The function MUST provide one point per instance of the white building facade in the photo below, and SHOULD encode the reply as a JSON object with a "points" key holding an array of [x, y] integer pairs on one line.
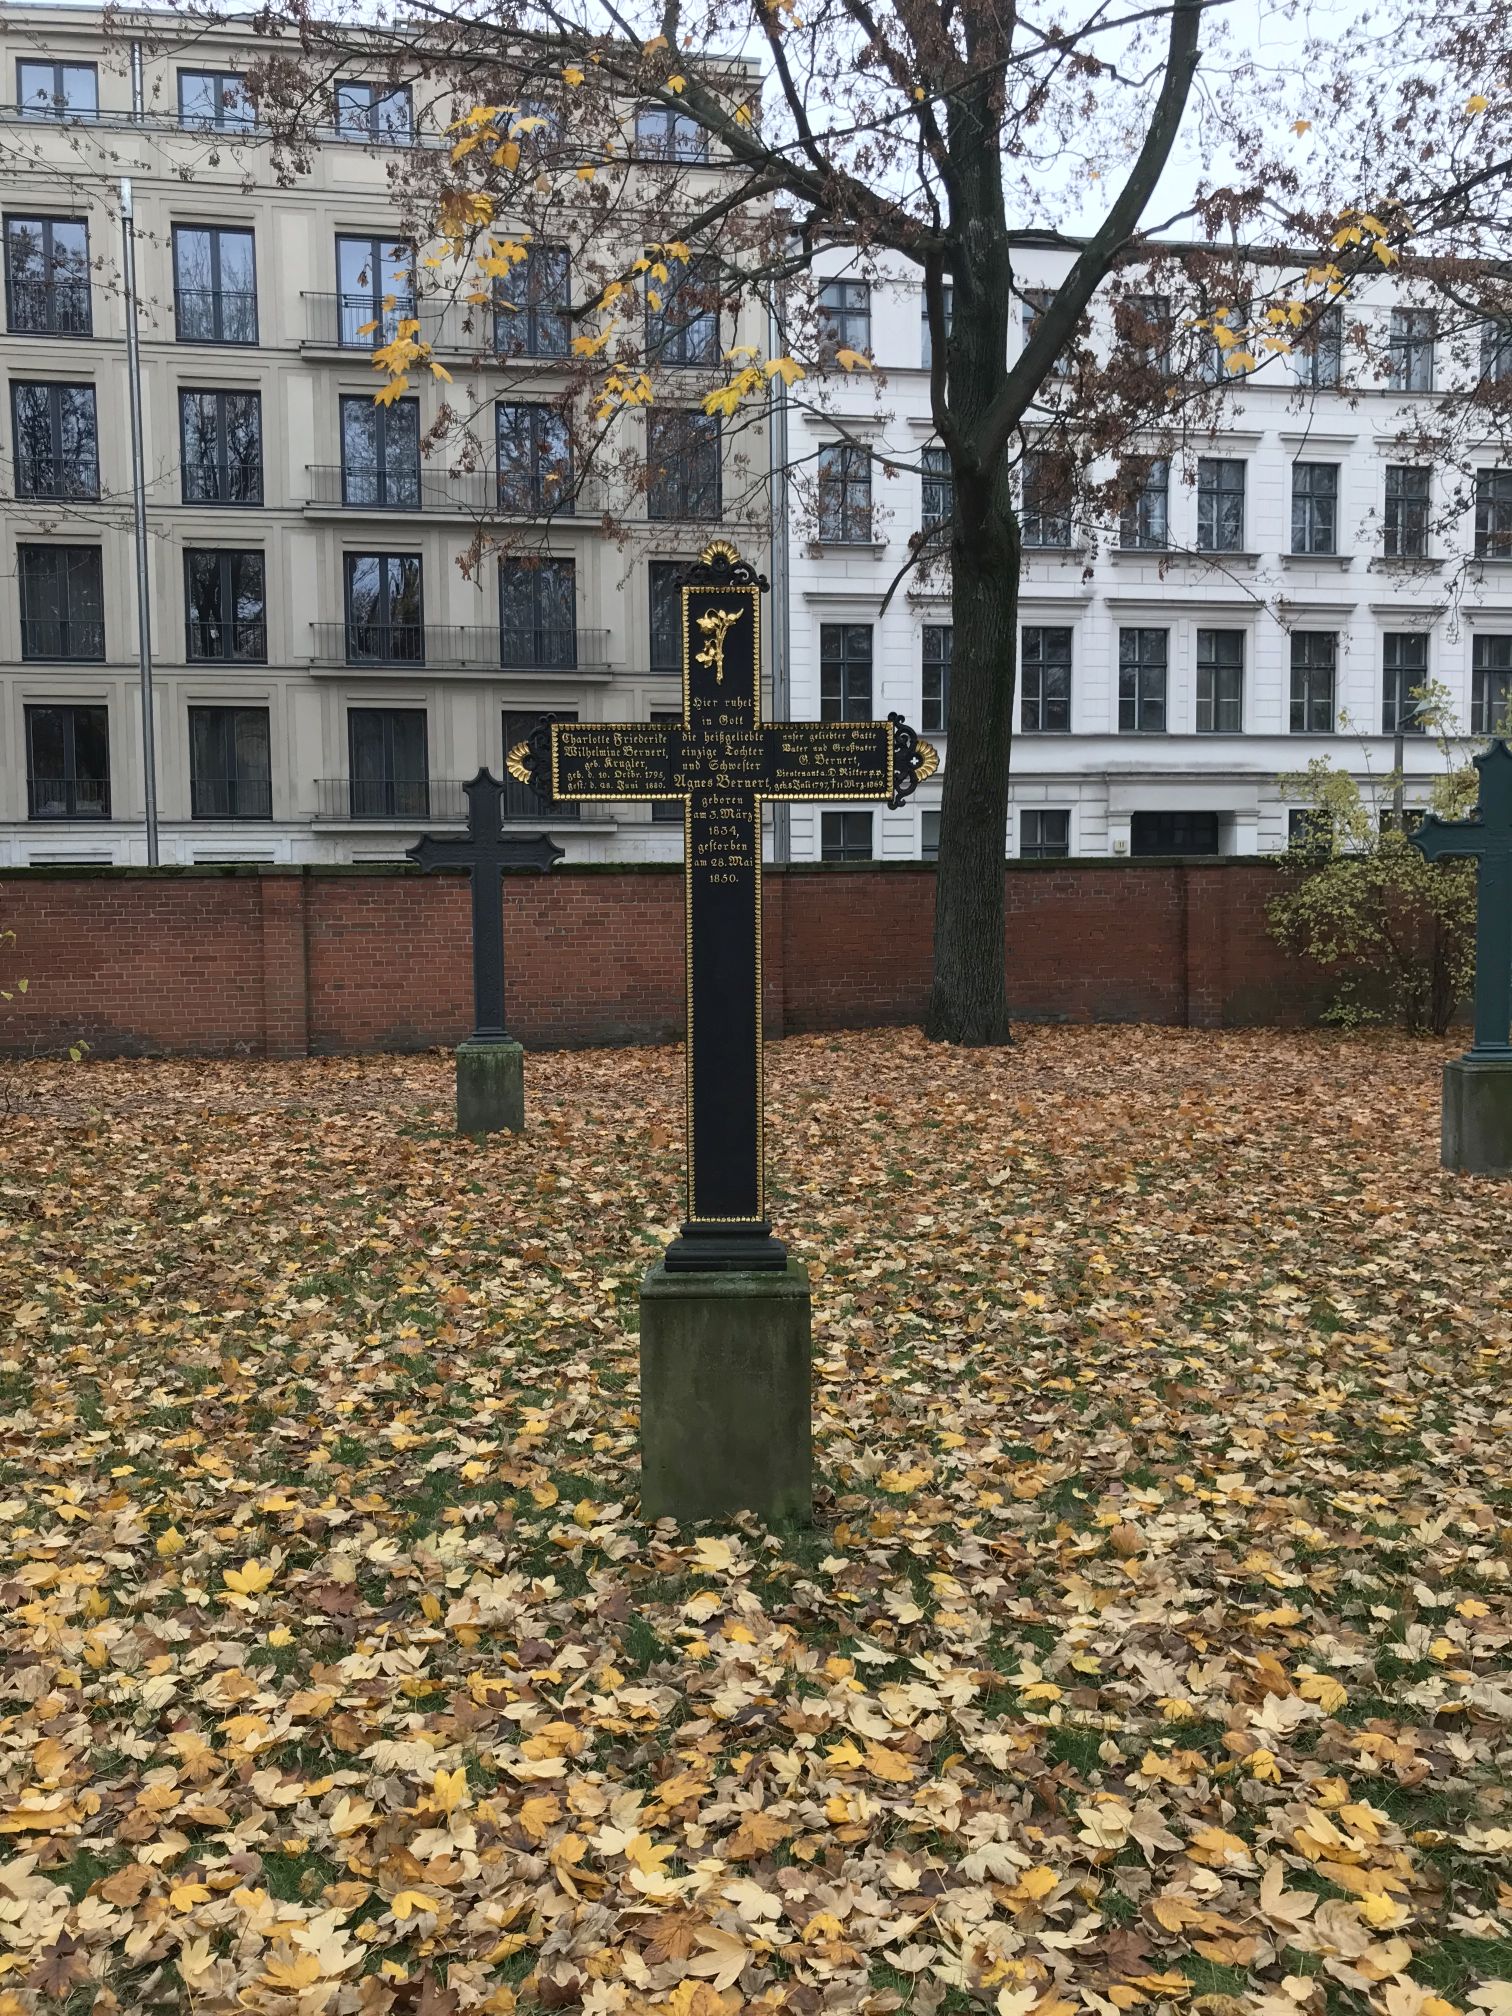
{"points": [[1277, 598]]}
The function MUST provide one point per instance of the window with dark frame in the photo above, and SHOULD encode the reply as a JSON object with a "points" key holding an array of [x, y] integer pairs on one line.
{"points": [[929, 835], [1144, 322], [1145, 522], [1409, 345], [1309, 832], [1493, 514], [1315, 507], [48, 90], [535, 460], [375, 290], [845, 317], [384, 609], [1045, 520], [230, 763], [1153, 833], [664, 585], [1220, 505], [214, 284], [1408, 500], [1320, 353], [683, 453], [926, 342], [1314, 675], [666, 811], [663, 133], [682, 315], [381, 114], [1491, 685], [215, 99], [1143, 657], [380, 453], [845, 836], [845, 672], [1035, 303], [67, 762], [532, 304], [845, 493], [226, 606], [937, 487], [55, 440], [537, 614], [1404, 667], [220, 437], [389, 765], [47, 276], [1220, 682], [520, 800], [62, 597], [935, 695], [1045, 680], [1496, 349], [1044, 834]]}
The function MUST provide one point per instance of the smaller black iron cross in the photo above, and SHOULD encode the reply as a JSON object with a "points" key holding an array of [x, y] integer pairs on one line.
{"points": [[485, 852], [1488, 836]]}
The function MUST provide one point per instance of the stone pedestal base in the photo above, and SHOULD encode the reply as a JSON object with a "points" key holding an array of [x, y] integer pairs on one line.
{"points": [[726, 1395], [1477, 1136], [490, 1088]]}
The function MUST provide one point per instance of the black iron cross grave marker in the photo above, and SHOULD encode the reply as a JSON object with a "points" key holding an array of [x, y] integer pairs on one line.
{"points": [[722, 762], [1488, 836], [485, 851]]}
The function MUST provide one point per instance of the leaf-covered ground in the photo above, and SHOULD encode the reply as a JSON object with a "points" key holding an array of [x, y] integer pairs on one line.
{"points": [[1152, 1651]]}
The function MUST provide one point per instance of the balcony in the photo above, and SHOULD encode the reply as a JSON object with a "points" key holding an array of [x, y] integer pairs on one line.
{"points": [[461, 647], [230, 798], [62, 640], [243, 641], [67, 798], [49, 308], [456, 493], [465, 328], [54, 480], [215, 315]]}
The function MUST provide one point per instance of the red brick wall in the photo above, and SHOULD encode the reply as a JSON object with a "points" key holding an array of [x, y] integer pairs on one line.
{"points": [[281, 962]]}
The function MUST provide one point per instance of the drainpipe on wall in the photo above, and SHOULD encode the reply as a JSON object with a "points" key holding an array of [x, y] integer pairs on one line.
{"points": [[139, 495], [782, 633]]}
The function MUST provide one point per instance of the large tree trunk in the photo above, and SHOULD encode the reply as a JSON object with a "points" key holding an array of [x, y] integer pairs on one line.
{"points": [[969, 1000]]}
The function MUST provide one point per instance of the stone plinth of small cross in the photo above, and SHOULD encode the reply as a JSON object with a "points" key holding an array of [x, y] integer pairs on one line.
{"points": [[1477, 1118], [725, 1353], [490, 1064]]}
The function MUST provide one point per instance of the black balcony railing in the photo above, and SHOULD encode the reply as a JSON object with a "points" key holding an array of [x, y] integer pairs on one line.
{"points": [[210, 483], [62, 639], [356, 321], [470, 328], [472, 493], [432, 801], [230, 798], [67, 798], [49, 307], [538, 650], [215, 315], [242, 642], [464, 645], [57, 479]]}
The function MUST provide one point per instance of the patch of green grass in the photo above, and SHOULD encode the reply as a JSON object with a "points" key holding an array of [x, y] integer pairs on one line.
{"points": [[1457, 1962], [297, 1878]]}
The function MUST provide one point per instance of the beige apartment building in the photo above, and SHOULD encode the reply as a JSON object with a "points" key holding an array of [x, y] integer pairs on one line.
{"points": [[325, 673]]}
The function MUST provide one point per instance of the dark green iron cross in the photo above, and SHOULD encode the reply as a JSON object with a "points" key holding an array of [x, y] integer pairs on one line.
{"points": [[1488, 837], [486, 851]]}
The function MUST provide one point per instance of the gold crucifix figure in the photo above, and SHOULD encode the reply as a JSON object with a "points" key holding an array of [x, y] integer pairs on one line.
{"points": [[715, 627]]}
